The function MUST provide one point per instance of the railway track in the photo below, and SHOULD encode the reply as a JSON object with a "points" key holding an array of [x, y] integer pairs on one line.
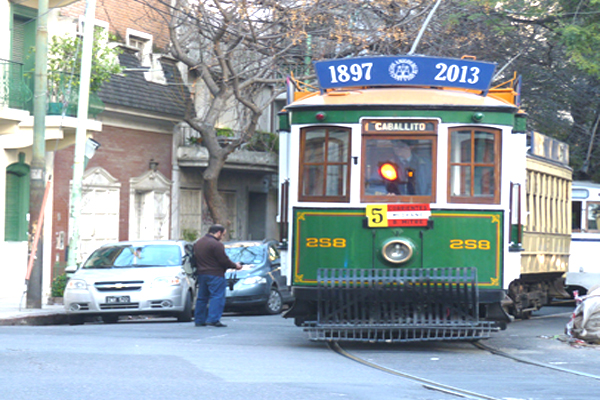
{"points": [[500, 353], [452, 390], [427, 383]]}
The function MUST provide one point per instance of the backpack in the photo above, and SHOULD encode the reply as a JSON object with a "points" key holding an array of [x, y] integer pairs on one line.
{"points": [[189, 260]]}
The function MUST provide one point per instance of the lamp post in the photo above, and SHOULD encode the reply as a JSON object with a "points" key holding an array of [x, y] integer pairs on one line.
{"points": [[38, 158], [90, 149]]}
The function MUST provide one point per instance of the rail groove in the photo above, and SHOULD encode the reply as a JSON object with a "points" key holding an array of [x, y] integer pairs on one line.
{"points": [[428, 384]]}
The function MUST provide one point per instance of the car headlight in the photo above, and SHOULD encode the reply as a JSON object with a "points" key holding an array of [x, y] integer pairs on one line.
{"points": [[254, 280], [77, 284], [166, 281]]}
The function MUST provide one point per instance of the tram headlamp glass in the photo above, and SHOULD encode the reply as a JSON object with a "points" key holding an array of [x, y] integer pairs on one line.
{"points": [[397, 251]]}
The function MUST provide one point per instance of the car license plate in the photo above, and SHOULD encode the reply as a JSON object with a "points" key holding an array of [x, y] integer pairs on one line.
{"points": [[118, 299]]}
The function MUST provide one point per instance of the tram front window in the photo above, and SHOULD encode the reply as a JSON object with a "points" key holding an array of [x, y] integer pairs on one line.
{"points": [[398, 167]]}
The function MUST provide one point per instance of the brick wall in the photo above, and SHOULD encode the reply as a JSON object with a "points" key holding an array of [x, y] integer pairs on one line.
{"points": [[125, 154], [121, 15]]}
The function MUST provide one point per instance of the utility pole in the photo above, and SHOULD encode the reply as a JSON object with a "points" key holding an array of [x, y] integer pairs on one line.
{"points": [[38, 159], [80, 133]]}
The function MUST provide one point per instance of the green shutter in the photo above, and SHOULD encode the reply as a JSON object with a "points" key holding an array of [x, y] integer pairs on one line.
{"points": [[17, 202]]}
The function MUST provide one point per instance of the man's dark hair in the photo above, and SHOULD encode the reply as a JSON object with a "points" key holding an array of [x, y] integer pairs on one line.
{"points": [[216, 228]]}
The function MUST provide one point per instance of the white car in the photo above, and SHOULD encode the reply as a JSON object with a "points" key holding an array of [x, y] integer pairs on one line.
{"points": [[133, 278]]}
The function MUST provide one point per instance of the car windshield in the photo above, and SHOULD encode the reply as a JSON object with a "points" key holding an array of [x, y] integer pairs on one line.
{"points": [[134, 256], [246, 254]]}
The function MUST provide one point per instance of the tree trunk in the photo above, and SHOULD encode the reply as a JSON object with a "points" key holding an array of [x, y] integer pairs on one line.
{"points": [[216, 205]]}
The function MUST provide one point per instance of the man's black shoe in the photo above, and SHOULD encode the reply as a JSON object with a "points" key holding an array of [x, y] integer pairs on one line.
{"points": [[217, 324], [200, 324]]}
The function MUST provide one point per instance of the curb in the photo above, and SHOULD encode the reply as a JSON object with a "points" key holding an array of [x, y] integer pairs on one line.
{"points": [[35, 320]]}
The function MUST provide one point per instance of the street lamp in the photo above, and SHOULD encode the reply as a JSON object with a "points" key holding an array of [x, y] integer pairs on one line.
{"points": [[90, 149]]}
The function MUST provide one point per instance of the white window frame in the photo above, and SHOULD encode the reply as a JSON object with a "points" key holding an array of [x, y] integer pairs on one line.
{"points": [[144, 37]]}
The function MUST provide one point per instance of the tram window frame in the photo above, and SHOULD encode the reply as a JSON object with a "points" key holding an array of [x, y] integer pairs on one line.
{"points": [[401, 136], [343, 181], [596, 219], [473, 165]]}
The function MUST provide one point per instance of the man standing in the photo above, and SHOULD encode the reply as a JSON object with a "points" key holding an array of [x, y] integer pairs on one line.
{"points": [[211, 264]]}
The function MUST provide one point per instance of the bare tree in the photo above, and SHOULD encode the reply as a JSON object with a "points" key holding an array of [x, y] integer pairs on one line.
{"points": [[239, 52]]}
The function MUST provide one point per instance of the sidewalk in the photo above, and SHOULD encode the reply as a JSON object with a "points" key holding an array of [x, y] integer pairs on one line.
{"points": [[14, 311]]}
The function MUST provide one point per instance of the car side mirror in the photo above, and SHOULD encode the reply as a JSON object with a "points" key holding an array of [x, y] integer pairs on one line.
{"points": [[71, 269]]}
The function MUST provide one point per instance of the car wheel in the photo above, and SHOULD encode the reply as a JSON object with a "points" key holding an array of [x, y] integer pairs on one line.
{"points": [[186, 315], [110, 319], [274, 304], [75, 319]]}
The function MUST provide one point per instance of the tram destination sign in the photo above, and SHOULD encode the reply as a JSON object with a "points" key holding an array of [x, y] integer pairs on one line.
{"points": [[405, 71], [391, 215]]}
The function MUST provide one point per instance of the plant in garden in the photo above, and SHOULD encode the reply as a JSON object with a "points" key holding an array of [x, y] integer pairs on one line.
{"points": [[58, 285], [64, 64]]}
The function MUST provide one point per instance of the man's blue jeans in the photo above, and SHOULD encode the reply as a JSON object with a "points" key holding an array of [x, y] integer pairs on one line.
{"points": [[211, 299]]}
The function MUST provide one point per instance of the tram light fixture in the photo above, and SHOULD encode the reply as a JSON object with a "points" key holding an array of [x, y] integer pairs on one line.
{"points": [[320, 116], [477, 117], [388, 171], [398, 251]]}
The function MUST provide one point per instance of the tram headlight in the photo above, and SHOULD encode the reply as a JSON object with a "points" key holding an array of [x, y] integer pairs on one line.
{"points": [[398, 251]]}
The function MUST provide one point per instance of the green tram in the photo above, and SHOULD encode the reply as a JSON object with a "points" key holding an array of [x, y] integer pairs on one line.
{"points": [[403, 202]]}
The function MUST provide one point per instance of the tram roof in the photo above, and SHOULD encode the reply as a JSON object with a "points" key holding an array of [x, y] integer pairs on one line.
{"points": [[404, 96]]}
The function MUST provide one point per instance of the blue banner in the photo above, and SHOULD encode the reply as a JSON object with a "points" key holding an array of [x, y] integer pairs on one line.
{"points": [[405, 71]]}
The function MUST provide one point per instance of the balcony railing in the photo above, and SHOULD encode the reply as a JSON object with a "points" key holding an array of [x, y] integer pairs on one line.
{"points": [[14, 93], [63, 91], [63, 94]]}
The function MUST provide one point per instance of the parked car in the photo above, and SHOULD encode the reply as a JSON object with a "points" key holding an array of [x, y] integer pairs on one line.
{"points": [[260, 284], [133, 278]]}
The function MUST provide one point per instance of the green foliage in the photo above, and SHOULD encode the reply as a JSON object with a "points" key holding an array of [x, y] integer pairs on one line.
{"points": [[58, 285], [194, 140], [583, 43], [225, 132], [263, 141], [190, 235], [64, 56]]}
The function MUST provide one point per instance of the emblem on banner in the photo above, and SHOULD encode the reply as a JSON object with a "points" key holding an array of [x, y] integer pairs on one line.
{"points": [[403, 70]]}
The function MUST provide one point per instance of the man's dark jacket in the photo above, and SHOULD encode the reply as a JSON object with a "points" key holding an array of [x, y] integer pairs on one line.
{"points": [[210, 257]]}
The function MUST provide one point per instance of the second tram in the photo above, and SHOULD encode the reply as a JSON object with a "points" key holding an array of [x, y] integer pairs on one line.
{"points": [[414, 200], [584, 270]]}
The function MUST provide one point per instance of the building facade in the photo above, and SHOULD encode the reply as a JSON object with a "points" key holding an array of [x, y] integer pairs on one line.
{"points": [[145, 179]]}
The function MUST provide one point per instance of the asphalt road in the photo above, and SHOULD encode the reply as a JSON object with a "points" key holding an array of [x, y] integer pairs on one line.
{"points": [[267, 357]]}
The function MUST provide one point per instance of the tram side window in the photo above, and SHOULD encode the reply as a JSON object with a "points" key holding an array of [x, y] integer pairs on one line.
{"points": [[593, 216], [474, 166], [324, 164]]}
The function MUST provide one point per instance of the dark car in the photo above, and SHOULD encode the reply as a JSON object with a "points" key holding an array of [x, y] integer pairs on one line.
{"points": [[260, 284]]}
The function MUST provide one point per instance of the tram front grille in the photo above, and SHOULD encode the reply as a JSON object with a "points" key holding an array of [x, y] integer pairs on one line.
{"points": [[406, 297]]}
